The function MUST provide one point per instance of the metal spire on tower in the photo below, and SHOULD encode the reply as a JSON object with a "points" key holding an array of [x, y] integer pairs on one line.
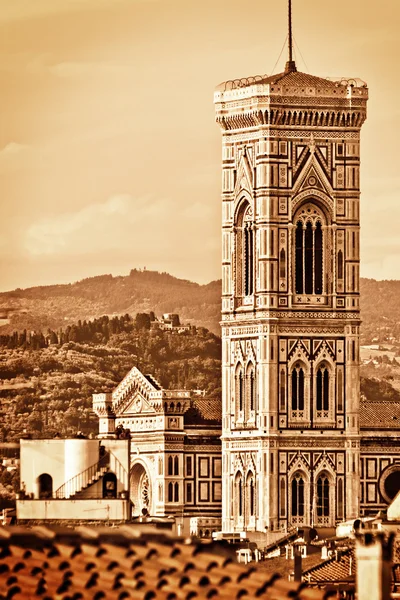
{"points": [[290, 65]]}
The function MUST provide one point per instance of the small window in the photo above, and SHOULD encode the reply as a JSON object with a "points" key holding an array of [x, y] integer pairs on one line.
{"points": [[189, 466]]}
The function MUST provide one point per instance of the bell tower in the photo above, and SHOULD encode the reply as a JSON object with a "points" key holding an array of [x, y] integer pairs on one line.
{"points": [[290, 298]]}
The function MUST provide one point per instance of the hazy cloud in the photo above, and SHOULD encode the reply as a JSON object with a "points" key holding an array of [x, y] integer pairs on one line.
{"points": [[143, 227], [13, 148]]}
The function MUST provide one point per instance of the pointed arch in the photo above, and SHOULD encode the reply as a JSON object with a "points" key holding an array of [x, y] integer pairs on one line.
{"points": [[239, 389], [250, 387], [244, 250]]}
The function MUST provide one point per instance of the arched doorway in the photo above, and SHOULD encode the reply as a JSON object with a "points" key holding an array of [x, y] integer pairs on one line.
{"points": [[45, 486], [109, 485], [140, 489]]}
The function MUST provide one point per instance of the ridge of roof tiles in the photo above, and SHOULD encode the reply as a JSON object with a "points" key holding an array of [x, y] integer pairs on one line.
{"points": [[74, 564]]}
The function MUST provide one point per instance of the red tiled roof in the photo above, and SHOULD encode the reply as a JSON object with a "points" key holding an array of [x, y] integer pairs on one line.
{"points": [[383, 414], [209, 409], [120, 563], [338, 568]]}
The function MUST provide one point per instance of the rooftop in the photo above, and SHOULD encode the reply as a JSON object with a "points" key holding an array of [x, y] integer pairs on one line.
{"points": [[127, 562]]}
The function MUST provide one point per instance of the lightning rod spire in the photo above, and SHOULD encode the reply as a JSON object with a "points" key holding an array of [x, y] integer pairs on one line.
{"points": [[290, 65]]}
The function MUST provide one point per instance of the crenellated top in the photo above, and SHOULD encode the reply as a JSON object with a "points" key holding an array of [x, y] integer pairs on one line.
{"points": [[291, 99]]}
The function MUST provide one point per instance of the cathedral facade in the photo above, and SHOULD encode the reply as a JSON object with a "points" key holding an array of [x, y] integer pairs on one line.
{"points": [[290, 299], [175, 450]]}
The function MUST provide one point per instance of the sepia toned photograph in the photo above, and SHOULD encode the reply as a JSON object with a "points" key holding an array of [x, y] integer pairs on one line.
{"points": [[199, 300]]}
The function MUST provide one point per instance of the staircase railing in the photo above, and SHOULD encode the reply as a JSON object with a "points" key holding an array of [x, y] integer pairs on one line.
{"points": [[83, 479]]}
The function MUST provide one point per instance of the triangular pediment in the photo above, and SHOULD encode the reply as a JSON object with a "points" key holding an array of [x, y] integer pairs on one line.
{"points": [[312, 176], [138, 405], [244, 178]]}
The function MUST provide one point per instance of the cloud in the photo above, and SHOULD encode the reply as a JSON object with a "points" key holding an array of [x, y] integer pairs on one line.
{"points": [[144, 228], [84, 68], [13, 148]]}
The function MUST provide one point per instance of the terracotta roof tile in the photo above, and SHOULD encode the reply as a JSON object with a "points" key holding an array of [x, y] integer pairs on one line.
{"points": [[125, 565], [207, 409], [383, 414], [341, 568]]}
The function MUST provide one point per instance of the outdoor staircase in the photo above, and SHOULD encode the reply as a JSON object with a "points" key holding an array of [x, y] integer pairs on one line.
{"points": [[75, 487]]}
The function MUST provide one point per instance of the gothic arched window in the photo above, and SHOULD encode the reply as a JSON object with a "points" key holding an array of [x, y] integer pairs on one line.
{"points": [[239, 389], [250, 387], [298, 495], [245, 252], [323, 496], [309, 242], [239, 494], [322, 388], [170, 465], [176, 465], [170, 492], [176, 492], [252, 496], [297, 388]]}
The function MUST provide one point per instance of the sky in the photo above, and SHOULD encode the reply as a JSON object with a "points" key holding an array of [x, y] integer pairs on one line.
{"points": [[109, 152]]}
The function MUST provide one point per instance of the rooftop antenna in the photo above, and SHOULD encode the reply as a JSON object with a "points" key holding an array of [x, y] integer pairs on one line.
{"points": [[290, 65]]}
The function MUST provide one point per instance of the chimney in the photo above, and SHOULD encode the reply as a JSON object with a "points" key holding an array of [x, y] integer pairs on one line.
{"points": [[374, 562]]}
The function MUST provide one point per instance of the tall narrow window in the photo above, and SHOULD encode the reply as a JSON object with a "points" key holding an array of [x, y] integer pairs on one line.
{"points": [[298, 389], [176, 465], [240, 496], [323, 496], [176, 492], [340, 499], [170, 492], [308, 258], [282, 391], [340, 265], [239, 389], [298, 496], [245, 252], [299, 258], [340, 391], [322, 388], [282, 498], [251, 388], [170, 465], [252, 497], [282, 263], [309, 242]]}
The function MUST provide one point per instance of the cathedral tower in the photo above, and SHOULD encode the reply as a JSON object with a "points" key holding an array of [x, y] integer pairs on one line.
{"points": [[290, 298]]}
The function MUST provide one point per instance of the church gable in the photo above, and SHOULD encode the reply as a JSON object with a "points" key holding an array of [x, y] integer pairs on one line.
{"points": [[134, 394]]}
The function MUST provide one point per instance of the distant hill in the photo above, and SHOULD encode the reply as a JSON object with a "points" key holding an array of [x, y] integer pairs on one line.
{"points": [[55, 306]]}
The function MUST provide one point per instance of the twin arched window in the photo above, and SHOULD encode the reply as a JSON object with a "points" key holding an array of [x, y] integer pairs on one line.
{"points": [[245, 500], [173, 492], [244, 247], [245, 389]]}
